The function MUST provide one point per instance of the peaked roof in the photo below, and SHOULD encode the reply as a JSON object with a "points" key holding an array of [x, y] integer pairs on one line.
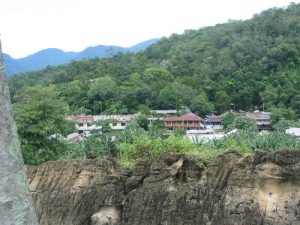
{"points": [[167, 111], [94, 118], [213, 119], [82, 118], [258, 115], [186, 117], [121, 118]]}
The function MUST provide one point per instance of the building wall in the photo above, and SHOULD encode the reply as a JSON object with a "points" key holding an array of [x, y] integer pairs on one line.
{"points": [[118, 125], [85, 128]]}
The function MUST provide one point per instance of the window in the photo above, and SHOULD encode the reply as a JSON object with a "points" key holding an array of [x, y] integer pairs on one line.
{"points": [[81, 124], [114, 124], [123, 124]]}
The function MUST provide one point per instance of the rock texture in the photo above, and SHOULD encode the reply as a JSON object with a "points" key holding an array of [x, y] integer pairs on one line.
{"points": [[16, 207], [263, 188]]}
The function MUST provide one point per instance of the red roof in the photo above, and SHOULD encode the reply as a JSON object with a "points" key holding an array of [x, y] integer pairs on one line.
{"points": [[259, 116], [94, 118], [83, 118], [186, 117], [183, 126], [213, 119]]}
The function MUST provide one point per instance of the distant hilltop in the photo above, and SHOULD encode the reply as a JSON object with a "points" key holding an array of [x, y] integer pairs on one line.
{"points": [[55, 57]]}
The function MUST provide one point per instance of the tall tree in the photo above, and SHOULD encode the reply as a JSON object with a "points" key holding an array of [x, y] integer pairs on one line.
{"points": [[39, 114], [201, 105], [16, 206]]}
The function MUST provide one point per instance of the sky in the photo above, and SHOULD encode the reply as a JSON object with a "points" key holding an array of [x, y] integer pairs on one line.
{"points": [[28, 26]]}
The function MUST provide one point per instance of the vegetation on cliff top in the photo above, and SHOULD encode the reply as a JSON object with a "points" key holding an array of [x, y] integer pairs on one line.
{"points": [[136, 144], [253, 64]]}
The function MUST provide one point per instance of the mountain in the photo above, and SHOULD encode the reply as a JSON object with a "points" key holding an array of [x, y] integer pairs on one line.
{"points": [[12, 67], [100, 51], [143, 45], [103, 51], [55, 57], [246, 65]]}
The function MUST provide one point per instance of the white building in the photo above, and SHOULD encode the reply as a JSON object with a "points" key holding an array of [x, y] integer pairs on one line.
{"points": [[161, 114], [164, 113], [204, 135], [85, 124], [119, 122], [295, 131]]}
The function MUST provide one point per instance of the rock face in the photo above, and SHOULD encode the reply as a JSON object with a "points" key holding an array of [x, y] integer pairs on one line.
{"points": [[263, 188], [16, 206]]}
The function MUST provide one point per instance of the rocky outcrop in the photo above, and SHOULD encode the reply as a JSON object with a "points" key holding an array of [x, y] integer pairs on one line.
{"points": [[263, 188], [16, 207]]}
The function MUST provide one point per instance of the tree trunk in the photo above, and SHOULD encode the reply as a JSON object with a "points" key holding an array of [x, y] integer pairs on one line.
{"points": [[16, 206]]}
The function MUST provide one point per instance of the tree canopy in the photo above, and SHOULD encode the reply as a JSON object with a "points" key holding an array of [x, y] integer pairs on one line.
{"points": [[249, 64], [39, 115], [240, 65]]}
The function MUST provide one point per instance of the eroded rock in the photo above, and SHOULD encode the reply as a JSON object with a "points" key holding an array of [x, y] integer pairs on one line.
{"points": [[235, 189], [107, 215]]}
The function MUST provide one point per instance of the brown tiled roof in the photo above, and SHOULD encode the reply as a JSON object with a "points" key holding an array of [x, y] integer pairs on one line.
{"points": [[83, 118], [190, 126], [186, 117], [259, 116], [122, 118], [213, 119], [94, 118]]}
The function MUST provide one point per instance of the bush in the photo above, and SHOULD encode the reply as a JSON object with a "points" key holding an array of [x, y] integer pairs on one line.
{"points": [[143, 147]]}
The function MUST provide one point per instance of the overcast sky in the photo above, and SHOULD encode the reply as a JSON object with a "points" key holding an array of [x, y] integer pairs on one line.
{"points": [[27, 26]]}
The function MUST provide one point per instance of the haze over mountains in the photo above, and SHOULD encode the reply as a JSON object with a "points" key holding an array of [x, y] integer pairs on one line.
{"points": [[55, 57]]}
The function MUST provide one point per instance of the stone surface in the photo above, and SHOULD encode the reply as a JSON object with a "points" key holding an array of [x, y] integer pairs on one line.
{"points": [[263, 188], [16, 206]]}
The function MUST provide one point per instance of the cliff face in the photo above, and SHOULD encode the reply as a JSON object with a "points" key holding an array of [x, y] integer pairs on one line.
{"points": [[171, 190], [16, 207]]}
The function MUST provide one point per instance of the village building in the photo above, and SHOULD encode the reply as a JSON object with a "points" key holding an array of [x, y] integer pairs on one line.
{"points": [[213, 129], [85, 124], [213, 122], [295, 131], [262, 119], [160, 114], [164, 113], [117, 122], [197, 137], [188, 121]]}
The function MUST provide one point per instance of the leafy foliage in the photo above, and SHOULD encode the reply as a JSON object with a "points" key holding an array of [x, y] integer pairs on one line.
{"points": [[249, 64], [39, 115], [252, 64], [144, 147], [243, 123]]}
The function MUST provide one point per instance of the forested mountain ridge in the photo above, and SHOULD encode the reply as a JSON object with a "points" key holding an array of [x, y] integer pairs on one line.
{"points": [[241, 64], [55, 57]]}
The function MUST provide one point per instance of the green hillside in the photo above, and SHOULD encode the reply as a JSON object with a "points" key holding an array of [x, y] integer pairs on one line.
{"points": [[241, 64]]}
